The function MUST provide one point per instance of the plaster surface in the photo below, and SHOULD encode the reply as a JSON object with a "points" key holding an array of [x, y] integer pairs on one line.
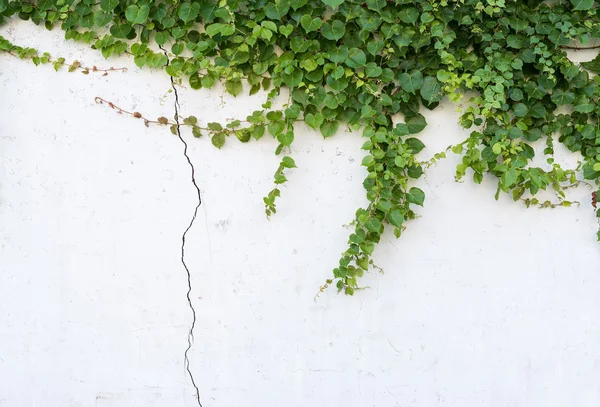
{"points": [[482, 303]]}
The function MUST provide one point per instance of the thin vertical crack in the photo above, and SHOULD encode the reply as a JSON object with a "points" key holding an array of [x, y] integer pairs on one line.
{"points": [[190, 337]]}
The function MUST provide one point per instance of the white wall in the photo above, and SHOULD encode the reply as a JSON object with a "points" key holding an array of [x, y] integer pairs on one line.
{"points": [[482, 303]]}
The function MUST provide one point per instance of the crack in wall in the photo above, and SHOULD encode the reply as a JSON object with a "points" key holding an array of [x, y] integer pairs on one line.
{"points": [[190, 337]]}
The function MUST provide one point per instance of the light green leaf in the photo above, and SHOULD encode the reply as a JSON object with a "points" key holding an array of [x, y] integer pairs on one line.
{"points": [[310, 24], [288, 162], [233, 87], [136, 14], [218, 140], [314, 120]]}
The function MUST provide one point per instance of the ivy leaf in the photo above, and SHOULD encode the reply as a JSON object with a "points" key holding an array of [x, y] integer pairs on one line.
{"points": [[277, 10], [416, 124], [314, 120], [415, 145], [395, 217], [373, 224], [356, 58], [509, 177], [218, 140], [520, 110], [560, 97], [286, 138], [292, 112], [188, 11], [582, 4], [310, 24], [338, 54], [593, 65], [416, 196], [431, 90], [286, 30], [136, 14], [233, 87], [333, 3], [195, 82], [334, 30], [101, 18], [329, 128], [288, 162], [108, 5], [373, 70], [411, 82], [120, 30]]}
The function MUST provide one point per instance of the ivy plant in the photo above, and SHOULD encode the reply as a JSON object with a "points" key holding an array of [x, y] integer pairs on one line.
{"points": [[373, 66]]}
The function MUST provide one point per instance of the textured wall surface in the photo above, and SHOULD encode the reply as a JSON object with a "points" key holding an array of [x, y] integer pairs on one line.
{"points": [[482, 303]]}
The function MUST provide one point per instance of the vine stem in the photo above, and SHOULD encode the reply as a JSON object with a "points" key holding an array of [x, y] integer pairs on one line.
{"points": [[72, 66]]}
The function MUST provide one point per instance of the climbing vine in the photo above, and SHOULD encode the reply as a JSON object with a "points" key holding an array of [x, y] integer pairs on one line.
{"points": [[370, 65]]}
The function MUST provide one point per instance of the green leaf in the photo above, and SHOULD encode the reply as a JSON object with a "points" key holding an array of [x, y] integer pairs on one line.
{"points": [[373, 224], [509, 177], [195, 82], [101, 18], [310, 24], [596, 167], [286, 138], [233, 87], [329, 128], [218, 140], [136, 14], [356, 58], [593, 65], [520, 110], [416, 124], [333, 3], [188, 11], [288, 162], [411, 82], [108, 5], [372, 70], [338, 54], [196, 132], [277, 10], [415, 145], [214, 126], [400, 162], [561, 97], [314, 120], [431, 90], [293, 111], [286, 30], [334, 30], [395, 217], [120, 30], [367, 161], [415, 196], [582, 4]]}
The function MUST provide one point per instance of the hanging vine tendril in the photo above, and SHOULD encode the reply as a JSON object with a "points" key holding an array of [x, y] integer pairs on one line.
{"points": [[362, 64]]}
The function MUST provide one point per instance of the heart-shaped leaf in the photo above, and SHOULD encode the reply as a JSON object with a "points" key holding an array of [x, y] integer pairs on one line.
{"points": [[310, 24], [137, 14]]}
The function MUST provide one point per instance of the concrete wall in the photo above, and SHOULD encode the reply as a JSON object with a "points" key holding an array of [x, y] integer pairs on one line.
{"points": [[482, 303]]}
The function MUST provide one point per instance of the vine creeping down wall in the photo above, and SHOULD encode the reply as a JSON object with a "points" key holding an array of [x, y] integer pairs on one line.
{"points": [[371, 66]]}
